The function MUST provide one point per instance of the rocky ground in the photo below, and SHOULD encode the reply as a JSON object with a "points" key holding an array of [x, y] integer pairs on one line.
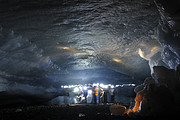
{"points": [[63, 112]]}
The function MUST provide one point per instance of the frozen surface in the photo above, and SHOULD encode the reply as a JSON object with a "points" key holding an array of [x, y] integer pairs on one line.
{"points": [[44, 44], [60, 36], [169, 31]]}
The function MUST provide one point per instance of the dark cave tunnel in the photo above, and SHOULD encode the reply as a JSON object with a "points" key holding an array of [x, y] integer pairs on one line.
{"points": [[52, 51]]}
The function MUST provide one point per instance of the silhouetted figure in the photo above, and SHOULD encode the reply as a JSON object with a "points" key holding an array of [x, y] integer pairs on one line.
{"points": [[101, 95], [105, 96], [85, 93], [112, 95]]}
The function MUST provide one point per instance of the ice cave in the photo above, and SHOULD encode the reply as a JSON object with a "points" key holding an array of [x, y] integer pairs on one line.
{"points": [[89, 59]]}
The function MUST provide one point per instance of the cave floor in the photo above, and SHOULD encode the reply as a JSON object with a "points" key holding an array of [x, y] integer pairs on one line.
{"points": [[63, 112]]}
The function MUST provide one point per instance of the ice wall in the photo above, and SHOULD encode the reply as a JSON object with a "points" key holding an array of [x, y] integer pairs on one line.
{"points": [[124, 94], [169, 31], [23, 69], [159, 96], [168, 36], [167, 80], [153, 56], [153, 99]]}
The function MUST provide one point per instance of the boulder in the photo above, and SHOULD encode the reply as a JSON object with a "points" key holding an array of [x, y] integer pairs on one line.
{"points": [[118, 110]]}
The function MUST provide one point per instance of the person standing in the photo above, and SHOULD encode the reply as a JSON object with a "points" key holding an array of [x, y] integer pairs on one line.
{"points": [[95, 91], [112, 95], [85, 94], [101, 95], [105, 96]]}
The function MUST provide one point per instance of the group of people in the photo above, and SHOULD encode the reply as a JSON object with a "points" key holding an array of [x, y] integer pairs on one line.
{"points": [[98, 95]]}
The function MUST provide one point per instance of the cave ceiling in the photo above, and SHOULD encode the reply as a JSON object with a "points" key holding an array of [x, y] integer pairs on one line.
{"points": [[73, 39]]}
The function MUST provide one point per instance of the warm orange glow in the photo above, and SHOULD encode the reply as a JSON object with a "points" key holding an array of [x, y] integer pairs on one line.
{"points": [[117, 60], [141, 53], [96, 91], [66, 48], [73, 50], [138, 100], [121, 110], [153, 51]]}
